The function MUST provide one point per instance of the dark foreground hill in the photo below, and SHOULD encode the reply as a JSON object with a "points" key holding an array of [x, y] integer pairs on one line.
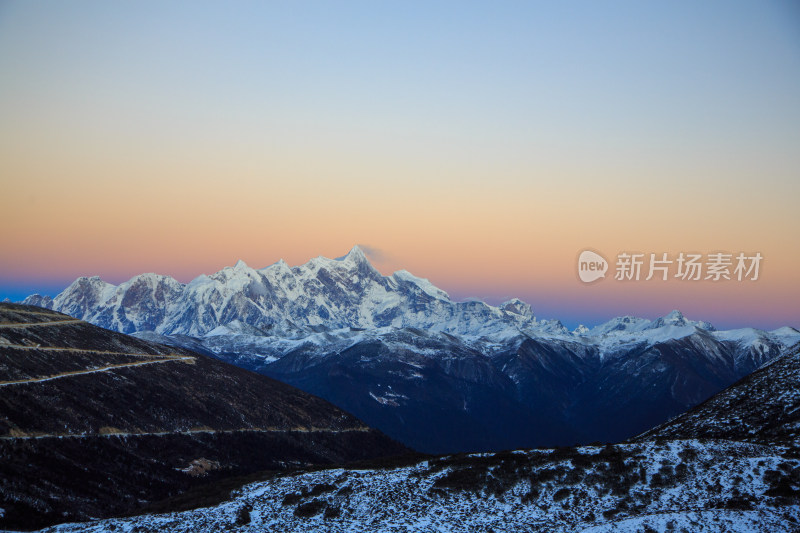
{"points": [[96, 423]]}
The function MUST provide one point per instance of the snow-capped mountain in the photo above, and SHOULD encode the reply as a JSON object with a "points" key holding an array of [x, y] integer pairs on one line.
{"points": [[436, 374], [335, 296], [628, 324], [328, 294]]}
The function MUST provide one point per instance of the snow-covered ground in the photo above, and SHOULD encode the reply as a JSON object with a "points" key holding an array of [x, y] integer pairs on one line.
{"points": [[686, 485]]}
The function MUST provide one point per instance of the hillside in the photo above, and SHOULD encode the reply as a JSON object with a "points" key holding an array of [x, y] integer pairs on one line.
{"points": [[689, 486], [95, 423], [761, 407]]}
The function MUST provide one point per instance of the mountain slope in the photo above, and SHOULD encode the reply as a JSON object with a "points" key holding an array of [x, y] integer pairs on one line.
{"points": [[678, 486], [94, 422], [455, 400], [761, 407], [440, 394]]}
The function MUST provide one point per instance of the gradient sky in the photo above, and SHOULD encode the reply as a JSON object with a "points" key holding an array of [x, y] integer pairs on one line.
{"points": [[481, 146]]}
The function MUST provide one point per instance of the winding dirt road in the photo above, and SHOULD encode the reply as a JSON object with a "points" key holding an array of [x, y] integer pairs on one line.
{"points": [[17, 325], [151, 358], [163, 359]]}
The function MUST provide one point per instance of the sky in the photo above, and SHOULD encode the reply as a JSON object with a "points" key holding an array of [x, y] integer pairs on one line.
{"points": [[482, 146]]}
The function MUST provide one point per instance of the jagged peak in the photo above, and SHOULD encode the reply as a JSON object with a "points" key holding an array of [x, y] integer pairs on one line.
{"points": [[153, 276], [617, 324], [356, 254], [677, 319], [423, 283], [553, 325], [673, 318], [152, 279], [39, 301], [786, 329], [238, 271], [517, 306], [89, 280], [580, 330]]}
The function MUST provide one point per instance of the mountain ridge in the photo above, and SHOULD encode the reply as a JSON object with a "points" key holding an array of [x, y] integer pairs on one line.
{"points": [[322, 293]]}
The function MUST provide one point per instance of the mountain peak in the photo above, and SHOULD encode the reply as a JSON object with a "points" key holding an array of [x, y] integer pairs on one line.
{"points": [[356, 255], [517, 306], [240, 265], [673, 318], [91, 281], [580, 330], [676, 318], [39, 301], [86, 279]]}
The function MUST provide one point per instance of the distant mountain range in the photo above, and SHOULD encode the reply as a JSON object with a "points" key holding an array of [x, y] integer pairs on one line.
{"points": [[438, 375], [286, 302]]}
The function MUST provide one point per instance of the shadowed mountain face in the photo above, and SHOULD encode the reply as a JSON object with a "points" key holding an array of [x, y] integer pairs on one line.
{"points": [[762, 407], [439, 395], [94, 422], [458, 401]]}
